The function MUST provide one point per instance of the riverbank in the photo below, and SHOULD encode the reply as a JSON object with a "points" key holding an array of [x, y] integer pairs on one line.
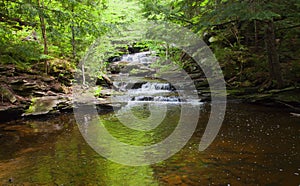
{"points": [[21, 87], [287, 97], [27, 93]]}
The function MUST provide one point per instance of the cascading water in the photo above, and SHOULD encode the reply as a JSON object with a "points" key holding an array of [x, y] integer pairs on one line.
{"points": [[156, 86], [142, 57], [158, 92], [149, 91], [141, 89]]}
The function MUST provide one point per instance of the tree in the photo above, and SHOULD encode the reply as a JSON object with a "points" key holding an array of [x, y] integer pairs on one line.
{"points": [[273, 57], [240, 28], [43, 29], [66, 27]]}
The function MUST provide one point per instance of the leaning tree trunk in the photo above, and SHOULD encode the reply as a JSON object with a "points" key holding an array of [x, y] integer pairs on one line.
{"points": [[73, 42], [273, 57], [43, 28]]}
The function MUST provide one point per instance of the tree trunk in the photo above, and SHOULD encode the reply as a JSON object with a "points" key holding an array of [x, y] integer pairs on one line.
{"points": [[43, 28], [255, 35], [83, 74], [273, 57], [73, 36], [73, 42]]}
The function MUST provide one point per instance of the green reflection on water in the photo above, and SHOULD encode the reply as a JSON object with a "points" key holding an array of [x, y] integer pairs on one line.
{"points": [[66, 159], [137, 137], [256, 146]]}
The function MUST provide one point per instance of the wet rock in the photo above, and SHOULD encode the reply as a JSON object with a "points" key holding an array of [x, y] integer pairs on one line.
{"points": [[50, 93], [141, 72], [105, 81], [24, 88], [62, 70], [123, 86], [10, 112], [3, 69], [128, 67], [142, 98], [134, 49], [193, 69], [195, 76], [39, 93], [48, 79], [18, 81], [132, 66], [47, 104], [134, 85], [7, 70], [57, 87], [200, 84], [295, 114], [167, 99], [114, 59], [19, 85], [44, 93], [7, 94], [117, 67], [108, 92]]}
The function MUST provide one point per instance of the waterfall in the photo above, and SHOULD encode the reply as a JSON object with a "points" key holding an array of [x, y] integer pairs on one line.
{"points": [[156, 86], [142, 57], [141, 89]]}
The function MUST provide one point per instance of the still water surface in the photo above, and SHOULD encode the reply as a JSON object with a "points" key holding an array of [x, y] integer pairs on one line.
{"points": [[255, 146]]}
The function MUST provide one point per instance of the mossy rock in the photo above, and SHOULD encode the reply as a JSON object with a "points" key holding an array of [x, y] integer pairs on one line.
{"points": [[44, 105], [139, 72], [7, 95]]}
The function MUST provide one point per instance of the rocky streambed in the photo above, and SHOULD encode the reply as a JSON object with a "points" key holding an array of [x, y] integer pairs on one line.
{"points": [[133, 77]]}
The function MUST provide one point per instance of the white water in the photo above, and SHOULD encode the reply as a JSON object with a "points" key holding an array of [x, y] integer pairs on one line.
{"points": [[139, 90], [142, 57]]}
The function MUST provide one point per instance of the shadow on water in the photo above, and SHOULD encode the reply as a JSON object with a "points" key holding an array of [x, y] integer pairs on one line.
{"points": [[256, 145]]}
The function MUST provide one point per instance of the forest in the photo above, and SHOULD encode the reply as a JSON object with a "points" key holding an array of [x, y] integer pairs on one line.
{"points": [[55, 53], [256, 42]]}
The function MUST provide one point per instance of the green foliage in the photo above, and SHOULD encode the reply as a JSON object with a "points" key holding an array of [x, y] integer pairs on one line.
{"points": [[97, 91], [235, 31], [70, 26], [32, 107], [18, 50]]}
